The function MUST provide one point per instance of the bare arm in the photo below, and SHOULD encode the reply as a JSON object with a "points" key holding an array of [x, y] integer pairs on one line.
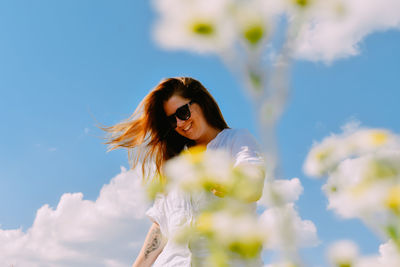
{"points": [[152, 247]]}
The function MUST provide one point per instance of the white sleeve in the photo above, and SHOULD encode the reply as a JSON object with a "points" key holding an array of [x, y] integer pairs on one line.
{"points": [[156, 213], [245, 149]]}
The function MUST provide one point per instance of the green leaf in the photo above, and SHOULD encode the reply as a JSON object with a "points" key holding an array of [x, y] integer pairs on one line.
{"points": [[256, 80], [393, 232]]}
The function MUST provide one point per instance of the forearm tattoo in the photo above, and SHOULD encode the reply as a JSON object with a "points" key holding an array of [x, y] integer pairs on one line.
{"points": [[155, 241]]}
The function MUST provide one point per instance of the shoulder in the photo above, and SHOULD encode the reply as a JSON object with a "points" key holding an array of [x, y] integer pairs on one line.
{"points": [[242, 137], [230, 134], [234, 141], [240, 143], [245, 148], [227, 138]]}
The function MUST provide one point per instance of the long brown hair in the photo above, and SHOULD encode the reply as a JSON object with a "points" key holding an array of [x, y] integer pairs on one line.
{"points": [[146, 133]]}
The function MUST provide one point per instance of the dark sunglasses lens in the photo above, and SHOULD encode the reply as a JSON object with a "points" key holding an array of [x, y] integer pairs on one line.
{"points": [[183, 113]]}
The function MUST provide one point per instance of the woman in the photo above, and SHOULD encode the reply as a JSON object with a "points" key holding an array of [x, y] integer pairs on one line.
{"points": [[177, 114]]}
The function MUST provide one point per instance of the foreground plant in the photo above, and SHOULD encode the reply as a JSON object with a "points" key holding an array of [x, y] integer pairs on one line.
{"points": [[257, 39], [246, 35], [363, 169], [223, 197]]}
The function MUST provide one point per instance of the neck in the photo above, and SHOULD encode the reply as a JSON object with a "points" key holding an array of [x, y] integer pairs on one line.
{"points": [[210, 135]]}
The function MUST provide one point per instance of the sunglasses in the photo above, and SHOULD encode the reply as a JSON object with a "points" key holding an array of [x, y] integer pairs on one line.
{"points": [[182, 113]]}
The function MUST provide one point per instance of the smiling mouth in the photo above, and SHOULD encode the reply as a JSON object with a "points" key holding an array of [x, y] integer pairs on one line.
{"points": [[188, 127]]}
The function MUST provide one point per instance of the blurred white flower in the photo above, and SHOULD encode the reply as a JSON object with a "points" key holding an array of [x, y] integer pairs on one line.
{"points": [[325, 30], [228, 221], [325, 156], [197, 25], [363, 168], [244, 228], [218, 166], [362, 165], [253, 20], [229, 234], [343, 253], [182, 173], [360, 187], [198, 170]]}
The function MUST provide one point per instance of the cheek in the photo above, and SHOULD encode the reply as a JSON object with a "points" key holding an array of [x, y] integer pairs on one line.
{"points": [[195, 121], [198, 117]]}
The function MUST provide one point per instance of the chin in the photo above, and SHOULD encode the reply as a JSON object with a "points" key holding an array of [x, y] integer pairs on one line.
{"points": [[188, 136]]}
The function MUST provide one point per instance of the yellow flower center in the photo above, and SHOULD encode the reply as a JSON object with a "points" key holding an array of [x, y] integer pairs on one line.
{"points": [[381, 170], [195, 154], [393, 199], [254, 33], [302, 3], [204, 222], [203, 28], [379, 138], [322, 155]]}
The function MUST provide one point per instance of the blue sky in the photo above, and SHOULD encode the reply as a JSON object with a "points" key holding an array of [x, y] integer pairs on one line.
{"points": [[67, 65]]}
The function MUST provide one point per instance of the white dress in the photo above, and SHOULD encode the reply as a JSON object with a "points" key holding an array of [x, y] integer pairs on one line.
{"points": [[179, 209]]}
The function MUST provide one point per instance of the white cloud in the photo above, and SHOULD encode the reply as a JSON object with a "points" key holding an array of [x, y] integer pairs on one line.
{"points": [[281, 221], [281, 191], [389, 254], [287, 229], [327, 37], [78, 232]]}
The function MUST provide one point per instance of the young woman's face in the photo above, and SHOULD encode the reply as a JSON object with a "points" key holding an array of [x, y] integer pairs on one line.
{"points": [[194, 128]]}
